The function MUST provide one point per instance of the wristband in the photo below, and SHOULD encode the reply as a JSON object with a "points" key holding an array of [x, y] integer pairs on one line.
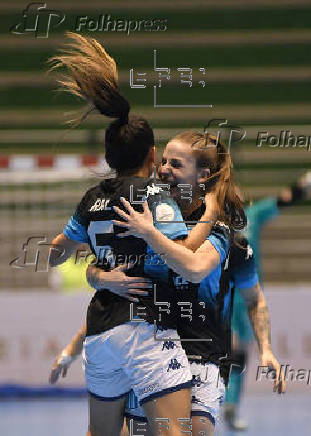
{"points": [[65, 359]]}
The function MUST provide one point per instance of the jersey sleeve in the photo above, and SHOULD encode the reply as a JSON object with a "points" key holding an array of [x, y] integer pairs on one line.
{"points": [[242, 265], [219, 238], [75, 230], [76, 227], [167, 216]]}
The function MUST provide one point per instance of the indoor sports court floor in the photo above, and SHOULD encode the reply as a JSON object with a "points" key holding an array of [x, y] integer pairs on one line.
{"points": [[268, 416]]}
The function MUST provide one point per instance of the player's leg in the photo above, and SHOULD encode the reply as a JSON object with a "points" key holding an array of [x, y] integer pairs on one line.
{"points": [[106, 382], [124, 431], [136, 420], [105, 417], [208, 392], [233, 399], [242, 336], [169, 414], [160, 376], [138, 426], [202, 426]]}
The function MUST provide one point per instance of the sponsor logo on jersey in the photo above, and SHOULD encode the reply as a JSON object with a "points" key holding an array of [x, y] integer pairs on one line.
{"points": [[164, 212], [153, 189], [249, 252], [100, 204]]}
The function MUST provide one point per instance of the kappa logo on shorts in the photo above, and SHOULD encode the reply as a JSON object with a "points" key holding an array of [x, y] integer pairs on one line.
{"points": [[174, 364], [196, 380], [195, 400], [169, 345]]}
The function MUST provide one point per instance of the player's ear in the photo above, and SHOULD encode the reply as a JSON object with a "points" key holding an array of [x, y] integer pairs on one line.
{"points": [[203, 174]]}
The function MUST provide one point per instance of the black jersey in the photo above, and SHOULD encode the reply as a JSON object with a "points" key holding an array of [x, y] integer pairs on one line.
{"points": [[92, 223], [205, 309]]}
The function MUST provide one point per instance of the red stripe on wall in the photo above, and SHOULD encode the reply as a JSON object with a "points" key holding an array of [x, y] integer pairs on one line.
{"points": [[89, 160], [45, 161], [4, 161]]}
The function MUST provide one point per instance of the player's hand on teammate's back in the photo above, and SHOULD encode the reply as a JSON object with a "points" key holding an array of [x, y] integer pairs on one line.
{"points": [[137, 224], [121, 284], [268, 359]]}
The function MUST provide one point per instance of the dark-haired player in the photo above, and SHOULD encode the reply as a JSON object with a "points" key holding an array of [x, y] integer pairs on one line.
{"points": [[113, 335]]}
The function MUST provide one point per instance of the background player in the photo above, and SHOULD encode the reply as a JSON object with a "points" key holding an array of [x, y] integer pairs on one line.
{"points": [[259, 213]]}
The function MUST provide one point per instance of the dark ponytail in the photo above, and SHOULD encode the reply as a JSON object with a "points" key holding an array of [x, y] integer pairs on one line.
{"points": [[92, 75]]}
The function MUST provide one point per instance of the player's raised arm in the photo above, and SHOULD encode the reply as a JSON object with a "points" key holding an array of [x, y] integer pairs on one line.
{"points": [[192, 266], [198, 234]]}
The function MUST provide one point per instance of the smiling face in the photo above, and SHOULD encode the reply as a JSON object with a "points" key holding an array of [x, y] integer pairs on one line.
{"points": [[178, 166], [194, 158]]}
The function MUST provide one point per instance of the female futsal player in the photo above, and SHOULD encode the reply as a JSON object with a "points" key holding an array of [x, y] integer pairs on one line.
{"points": [[110, 329], [175, 163], [129, 149], [189, 270], [207, 392]]}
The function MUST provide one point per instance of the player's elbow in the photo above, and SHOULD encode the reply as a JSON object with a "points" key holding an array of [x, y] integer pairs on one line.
{"points": [[61, 249], [55, 257], [199, 270]]}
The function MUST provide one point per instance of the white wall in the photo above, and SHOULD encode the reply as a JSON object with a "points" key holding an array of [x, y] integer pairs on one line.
{"points": [[35, 326]]}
